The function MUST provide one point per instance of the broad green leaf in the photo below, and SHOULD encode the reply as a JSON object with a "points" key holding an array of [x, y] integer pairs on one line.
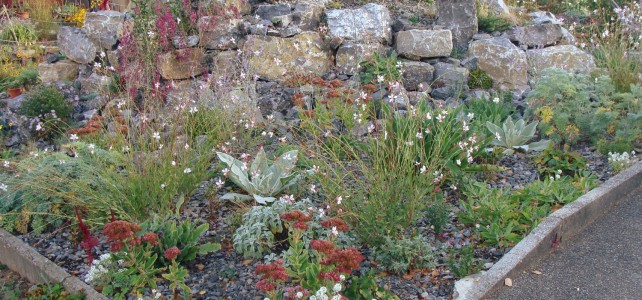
{"points": [[260, 163], [208, 248], [236, 197], [263, 200]]}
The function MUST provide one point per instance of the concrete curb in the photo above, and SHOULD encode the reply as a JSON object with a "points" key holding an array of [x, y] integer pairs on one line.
{"points": [[557, 228], [23, 259]]}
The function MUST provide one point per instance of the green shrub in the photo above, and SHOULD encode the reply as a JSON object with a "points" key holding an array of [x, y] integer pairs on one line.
{"points": [[574, 108], [46, 99], [184, 235], [366, 287], [436, 213], [382, 67], [552, 162], [463, 262], [503, 218], [49, 110], [479, 80], [492, 23], [400, 256]]}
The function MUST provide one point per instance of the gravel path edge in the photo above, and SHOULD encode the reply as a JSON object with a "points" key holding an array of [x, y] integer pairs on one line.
{"points": [[30, 264], [554, 230]]}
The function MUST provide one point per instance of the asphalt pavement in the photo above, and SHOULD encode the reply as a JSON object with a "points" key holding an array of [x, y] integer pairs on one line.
{"points": [[603, 262]]}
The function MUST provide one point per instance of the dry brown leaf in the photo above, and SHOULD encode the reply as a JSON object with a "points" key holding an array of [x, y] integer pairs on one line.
{"points": [[200, 267], [247, 262], [536, 272], [508, 282]]}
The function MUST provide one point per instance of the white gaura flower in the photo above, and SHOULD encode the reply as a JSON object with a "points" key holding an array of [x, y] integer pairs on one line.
{"points": [[187, 171], [156, 135], [73, 137], [219, 182]]}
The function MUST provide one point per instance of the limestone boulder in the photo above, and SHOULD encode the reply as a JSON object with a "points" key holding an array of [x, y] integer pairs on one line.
{"points": [[279, 13], [544, 17], [539, 35], [460, 16], [94, 84], [181, 42], [64, 70], [103, 27], [448, 80], [417, 73], [565, 57], [244, 7], [417, 44], [191, 92], [350, 54], [214, 35], [303, 15], [370, 22], [181, 63], [276, 58], [76, 45], [504, 62], [497, 7], [227, 64]]}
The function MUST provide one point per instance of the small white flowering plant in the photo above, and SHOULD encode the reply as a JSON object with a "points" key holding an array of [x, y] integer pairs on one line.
{"points": [[621, 161], [262, 179], [101, 270]]}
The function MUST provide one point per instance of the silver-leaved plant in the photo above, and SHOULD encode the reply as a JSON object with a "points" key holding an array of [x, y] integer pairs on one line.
{"points": [[514, 135], [263, 179]]}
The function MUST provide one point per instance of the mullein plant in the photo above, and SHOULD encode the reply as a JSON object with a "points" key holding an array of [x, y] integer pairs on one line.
{"points": [[513, 136], [262, 179]]}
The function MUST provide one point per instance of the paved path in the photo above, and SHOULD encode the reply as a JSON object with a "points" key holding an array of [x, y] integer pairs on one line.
{"points": [[603, 262]]}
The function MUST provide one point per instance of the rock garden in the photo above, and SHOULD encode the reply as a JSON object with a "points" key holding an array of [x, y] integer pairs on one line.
{"points": [[305, 149]]}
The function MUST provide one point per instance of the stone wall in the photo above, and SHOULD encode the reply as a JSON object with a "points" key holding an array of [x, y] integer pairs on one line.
{"points": [[307, 39]]}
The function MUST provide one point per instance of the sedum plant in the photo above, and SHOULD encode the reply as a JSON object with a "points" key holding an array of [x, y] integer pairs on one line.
{"points": [[261, 180], [184, 235], [514, 135]]}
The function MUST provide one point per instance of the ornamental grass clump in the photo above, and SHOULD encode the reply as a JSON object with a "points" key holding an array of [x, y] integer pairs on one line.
{"points": [[390, 176]]}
